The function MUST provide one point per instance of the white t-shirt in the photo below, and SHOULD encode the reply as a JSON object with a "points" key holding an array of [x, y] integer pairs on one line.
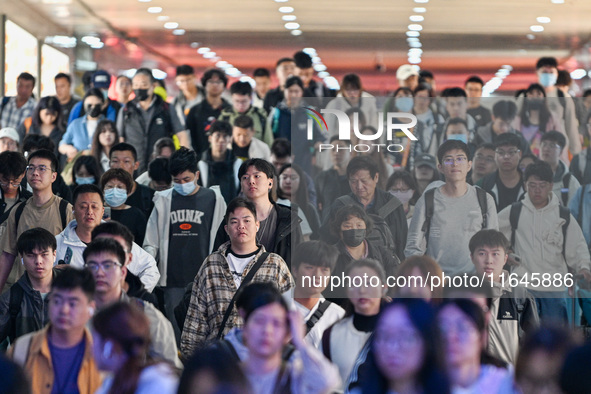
{"points": [[237, 265], [330, 316], [91, 127]]}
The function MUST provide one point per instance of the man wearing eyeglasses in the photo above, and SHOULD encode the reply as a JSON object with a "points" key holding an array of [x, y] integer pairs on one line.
{"points": [[565, 184], [12, 171], [458, 212], [505, 184], [106, 258], [44, 209]]}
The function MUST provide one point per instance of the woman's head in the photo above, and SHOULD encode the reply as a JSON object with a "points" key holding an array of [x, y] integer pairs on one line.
{"points": [[264, 311], [462, 324], [93, 102], [351, 224], [86, 170], [403, 99], [48, 111], [367, 286], [351, 87], [106, 134], [402, 185], [405, 347], [163, 147], [525, 161], [123, 335], [418, 266], [292, 184]]}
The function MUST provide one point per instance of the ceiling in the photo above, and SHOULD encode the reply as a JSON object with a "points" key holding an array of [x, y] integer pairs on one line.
{"points": [[459, 37]]}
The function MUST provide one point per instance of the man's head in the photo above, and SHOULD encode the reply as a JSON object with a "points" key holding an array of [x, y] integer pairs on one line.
{"points": [[143, 84], [243, 131], [185, 78], [456, 102], [340, 157], [262, 79], [241, 222], [9, 140], [241, 96], [488, 251], [124, 156], [117, 231], [303, 67], [457, 129], [311, 263], [294, 91], [551, 146], [219, 136], [71, 302], [284, 68], [454, 160], [363, 176], [159, 175], [407, 76], [503, 114], [507, 152], [183, 169], [473, 87], [12, 171], [214, 81], [547, 71], [63, 84], [106, 258], [37, 249], [25, 83], [280, 153], [41, 169], [484, 160], [256, 179], [89, 206], [427, 77], [538, 183], [32, 142], [123, 88]]}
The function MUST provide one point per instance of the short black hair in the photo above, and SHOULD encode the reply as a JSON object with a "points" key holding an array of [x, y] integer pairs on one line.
{"points": [[491, 238], [244, 122], [485, 145], [33, 142], [95, 92], [27, 77], [450, 145], [317, 253], [221, 127], [114, 228], [44, 154], [426, 74], [454, 92], [105, 245], [474, 79], [35, 238], [281, 148], [90, 163], [258, 295], [505, 109], [284, 60], [261, 165], [208, 74], [121, 175], [90, 188], [405, 177], [123, 147], [294, 80], [240, 202], [63, 75], [507, 139], [261, 72], [362, 163], [71, 278], [158, 170], [145, 71], [302, 59], [539, 169], [344, 213], [556, 137], [351, 80], [546, 61], [564, 78], [454, 121], [587, 93], [242, 88], [182, 160], [12, 164], [184, 69]]}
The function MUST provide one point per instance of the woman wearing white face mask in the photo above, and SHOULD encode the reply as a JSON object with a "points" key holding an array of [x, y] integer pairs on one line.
{"points": [[402, 185], [116, 185]]}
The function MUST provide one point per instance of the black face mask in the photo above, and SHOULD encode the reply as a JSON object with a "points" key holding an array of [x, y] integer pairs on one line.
{"points": [[141, 94], [353, 238], [535, 104], [94, 110]]}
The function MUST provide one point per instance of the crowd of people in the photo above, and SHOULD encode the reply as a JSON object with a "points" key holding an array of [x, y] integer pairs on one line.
{"points": [[208, 244]]}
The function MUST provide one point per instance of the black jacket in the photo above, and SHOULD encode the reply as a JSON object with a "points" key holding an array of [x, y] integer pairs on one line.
{"points": [[288, 233], [23, 195]]}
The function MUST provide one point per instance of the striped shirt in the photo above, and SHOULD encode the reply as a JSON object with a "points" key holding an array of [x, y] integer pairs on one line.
{"points": [[213, 289], [12, 116]]}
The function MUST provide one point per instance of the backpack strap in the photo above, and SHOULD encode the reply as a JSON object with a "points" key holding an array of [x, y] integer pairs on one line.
{"points": [[389, 207], [21, 349], [19, 212], [4, 102], [326, 343], [347, 200], [564, 213], [228, 348], [429, 209], [482, 196], [244, 282], [514, 220], [317, 315], [14, 306], [63, 213], [580, 215], [564, 190]]}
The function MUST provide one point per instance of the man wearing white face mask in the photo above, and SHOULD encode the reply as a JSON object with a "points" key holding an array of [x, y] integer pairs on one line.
{"points": [[182, 228]]}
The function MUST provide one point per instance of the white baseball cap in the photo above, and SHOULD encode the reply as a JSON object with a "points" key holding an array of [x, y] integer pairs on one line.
{"points": [[10, 133], [405, 71]]}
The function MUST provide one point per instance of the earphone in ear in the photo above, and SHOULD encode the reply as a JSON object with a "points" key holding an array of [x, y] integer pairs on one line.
{"points": [[270, 184], [22, 261], [108, 350], [91, 310]]}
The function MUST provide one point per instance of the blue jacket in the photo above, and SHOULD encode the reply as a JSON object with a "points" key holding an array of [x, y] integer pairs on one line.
{"points": [[77, 135]]}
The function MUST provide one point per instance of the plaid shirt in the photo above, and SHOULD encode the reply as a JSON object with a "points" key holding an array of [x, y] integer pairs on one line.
{"points": [[13, 116], [212, 293]]}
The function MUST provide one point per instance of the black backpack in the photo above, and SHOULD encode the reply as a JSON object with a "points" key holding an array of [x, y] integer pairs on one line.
{"points": [[481, 194], [63, 214], [564, 189]]}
